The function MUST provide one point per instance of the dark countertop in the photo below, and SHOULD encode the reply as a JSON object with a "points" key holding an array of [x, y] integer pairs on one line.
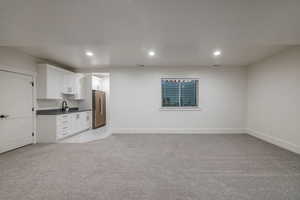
{"points": [[60, 112]]}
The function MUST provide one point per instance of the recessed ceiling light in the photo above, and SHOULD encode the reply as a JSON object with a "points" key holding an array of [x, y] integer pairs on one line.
{"points": [[217, 53], [89, 53], [151, 53]]}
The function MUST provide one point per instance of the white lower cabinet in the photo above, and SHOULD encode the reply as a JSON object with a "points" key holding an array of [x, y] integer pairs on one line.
{"points": [[80, 121], [51, 128], [76, 122], [63, 126]]}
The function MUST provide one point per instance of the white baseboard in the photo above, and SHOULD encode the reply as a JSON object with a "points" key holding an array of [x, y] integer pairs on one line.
{"points": [[276, 141], [179, 131]]}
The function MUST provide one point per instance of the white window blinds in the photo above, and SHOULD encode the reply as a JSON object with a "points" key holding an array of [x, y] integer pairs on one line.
{"points": [[179, 92]]}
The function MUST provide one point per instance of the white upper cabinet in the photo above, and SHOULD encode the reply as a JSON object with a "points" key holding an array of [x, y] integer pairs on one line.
{"points": [[79, 87], [49, 82], [69, 83], [97, 83], [54, 82]]}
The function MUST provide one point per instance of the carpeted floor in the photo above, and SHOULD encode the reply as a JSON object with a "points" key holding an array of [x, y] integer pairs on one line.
{"points": [[152, 167]]}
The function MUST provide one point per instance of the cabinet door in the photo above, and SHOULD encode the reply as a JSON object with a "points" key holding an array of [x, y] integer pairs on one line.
{"points": [[77, 125], [84, 121], [79, 86], [97, 83], [69, 83], [72, 122], [88, 120], [54, 83]]}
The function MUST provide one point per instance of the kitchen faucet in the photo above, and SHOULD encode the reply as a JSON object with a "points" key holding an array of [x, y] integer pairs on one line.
{"points": [[64, 106]]}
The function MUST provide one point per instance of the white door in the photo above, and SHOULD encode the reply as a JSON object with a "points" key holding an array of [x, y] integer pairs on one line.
{"points": [[16, 115]]}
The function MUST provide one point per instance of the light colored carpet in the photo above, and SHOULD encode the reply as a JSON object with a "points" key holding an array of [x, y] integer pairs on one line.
{"points": [[152, 167]]}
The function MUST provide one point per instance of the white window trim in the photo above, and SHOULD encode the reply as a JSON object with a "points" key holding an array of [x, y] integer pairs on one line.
{"points": [[191, 108], [196, 108]]}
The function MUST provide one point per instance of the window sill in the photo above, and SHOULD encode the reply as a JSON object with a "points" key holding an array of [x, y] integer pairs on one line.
{"points": [[180, 109]]}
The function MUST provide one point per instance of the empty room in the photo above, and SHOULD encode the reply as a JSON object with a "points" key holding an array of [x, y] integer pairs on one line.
{"points": [[149, 100]]}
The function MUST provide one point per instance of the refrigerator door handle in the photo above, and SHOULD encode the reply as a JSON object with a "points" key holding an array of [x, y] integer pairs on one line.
{"points": [[100, 105]]}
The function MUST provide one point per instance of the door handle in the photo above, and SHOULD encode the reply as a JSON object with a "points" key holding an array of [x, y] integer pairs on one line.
{"points": [[100, 105], [4, 116]]}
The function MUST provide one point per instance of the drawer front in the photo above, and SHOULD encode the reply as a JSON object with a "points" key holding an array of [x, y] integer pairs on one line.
{"points": [[62, 119], [63, 132], [63, 123], [63, 126]]}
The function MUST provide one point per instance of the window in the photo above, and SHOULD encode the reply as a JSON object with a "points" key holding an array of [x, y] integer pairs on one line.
{"points": [[179, 92]]}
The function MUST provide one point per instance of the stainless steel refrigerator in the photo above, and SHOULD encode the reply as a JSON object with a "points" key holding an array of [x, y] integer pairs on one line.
{"points": [[99, 109]]}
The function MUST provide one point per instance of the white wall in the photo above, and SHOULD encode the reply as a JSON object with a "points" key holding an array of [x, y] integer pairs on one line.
{"points": [[14, 59], [274, 99], [135, 101]]}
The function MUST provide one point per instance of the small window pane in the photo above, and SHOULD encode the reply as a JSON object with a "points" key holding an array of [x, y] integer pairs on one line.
{"points": [[189, 93], [170, 93]]}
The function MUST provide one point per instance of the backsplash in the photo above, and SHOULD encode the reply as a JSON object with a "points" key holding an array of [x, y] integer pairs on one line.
{"points": [[45, 104]]}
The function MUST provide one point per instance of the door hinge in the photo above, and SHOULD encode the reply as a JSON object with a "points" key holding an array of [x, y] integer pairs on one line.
{"points": [[32, 134], [32, 83]]}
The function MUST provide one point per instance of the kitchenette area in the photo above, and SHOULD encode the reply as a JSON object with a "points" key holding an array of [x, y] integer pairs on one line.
{"points": [[56, 124], [71, 106]]}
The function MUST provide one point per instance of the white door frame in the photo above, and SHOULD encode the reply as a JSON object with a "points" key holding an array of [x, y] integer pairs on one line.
{"points": [[30, 74]]}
